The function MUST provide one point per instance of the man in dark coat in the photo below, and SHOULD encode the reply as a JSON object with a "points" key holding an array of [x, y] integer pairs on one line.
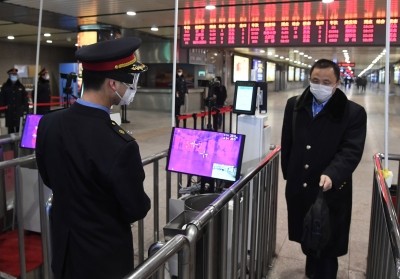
{"points": [[94, 168], [14, 96], [181, 90], [44, 93], [322, 148]]}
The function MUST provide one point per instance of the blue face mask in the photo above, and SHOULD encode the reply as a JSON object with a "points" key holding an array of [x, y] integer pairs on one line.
{"points": [[13, 78]]}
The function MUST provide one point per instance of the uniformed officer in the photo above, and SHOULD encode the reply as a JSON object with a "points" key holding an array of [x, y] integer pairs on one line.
{"points": [[14, 96], [44, 92], [94, 168]]}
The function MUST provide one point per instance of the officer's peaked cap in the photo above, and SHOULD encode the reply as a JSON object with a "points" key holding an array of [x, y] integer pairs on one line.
{"points": [[113, 59], [12, 71]]}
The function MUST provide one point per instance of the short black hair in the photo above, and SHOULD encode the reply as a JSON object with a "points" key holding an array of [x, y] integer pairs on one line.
{"points": [[92, 81], [326, 63]]}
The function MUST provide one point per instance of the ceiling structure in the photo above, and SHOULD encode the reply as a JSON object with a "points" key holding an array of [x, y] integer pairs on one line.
{"points": [[19, 18]]}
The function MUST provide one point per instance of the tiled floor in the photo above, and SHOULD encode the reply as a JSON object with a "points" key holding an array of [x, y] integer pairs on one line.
{"points": [[152, 131]]}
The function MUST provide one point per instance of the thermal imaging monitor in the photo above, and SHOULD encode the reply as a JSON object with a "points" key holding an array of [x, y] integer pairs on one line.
{"points": [[206, 153], [245, 97], [29, 132]]}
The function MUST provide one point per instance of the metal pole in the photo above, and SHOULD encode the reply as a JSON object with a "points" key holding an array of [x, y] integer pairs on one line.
{"points": [[174, 52], [387, 48], [245, 229], [20, 221], [37, 55], [43, 229], [156, 201]]}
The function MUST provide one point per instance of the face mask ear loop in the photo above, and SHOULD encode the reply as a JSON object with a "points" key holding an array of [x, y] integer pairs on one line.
{"points": [[118, 95]]}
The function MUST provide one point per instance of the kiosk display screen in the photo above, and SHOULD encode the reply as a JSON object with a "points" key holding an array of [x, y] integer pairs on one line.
{"points": [[244, 98], [29, 133], [206, 153]]}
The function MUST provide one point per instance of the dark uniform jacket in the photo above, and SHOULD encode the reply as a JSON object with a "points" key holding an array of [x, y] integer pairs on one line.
{"points": [[44, 96], [15, 97], [332, 143], [181, 89], [95, 171]]}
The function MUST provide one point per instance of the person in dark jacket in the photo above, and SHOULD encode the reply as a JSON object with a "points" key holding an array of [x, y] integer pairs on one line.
{"points": [[14, 96], [181, 90], [94, 168], [44, 93], [220, 94], [323, 136]]}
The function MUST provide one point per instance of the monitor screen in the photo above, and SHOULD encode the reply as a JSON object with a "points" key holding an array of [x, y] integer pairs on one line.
{"points": [[28, 138], [244, 98], [206, 153], [241, 68]]}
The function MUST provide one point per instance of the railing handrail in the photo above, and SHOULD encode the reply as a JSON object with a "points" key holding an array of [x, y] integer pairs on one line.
{"points": [[162, 255], [389, 210], [10, 138], [17, 161], [204, 216]]}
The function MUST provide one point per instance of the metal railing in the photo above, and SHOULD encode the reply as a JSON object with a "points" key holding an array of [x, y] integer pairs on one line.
{"points": [[205, 117], [257, 189], [45, 208], [18, 205], [384, 237], [238, 229]]}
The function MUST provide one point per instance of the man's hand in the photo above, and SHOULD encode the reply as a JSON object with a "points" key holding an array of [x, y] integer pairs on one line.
{"points": [[325, 182]]}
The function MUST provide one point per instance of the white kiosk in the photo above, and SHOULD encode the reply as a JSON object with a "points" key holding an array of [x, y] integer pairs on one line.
{"points": [[250, 102]]}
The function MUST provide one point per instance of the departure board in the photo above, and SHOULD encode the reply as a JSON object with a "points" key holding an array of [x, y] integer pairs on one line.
{"points": [[291, 33]]}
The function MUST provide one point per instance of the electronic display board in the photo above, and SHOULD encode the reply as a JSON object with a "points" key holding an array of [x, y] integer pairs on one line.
{"points": [[291, 33]]}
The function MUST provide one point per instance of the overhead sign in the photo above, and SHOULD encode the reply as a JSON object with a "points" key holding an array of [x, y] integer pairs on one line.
{"points": [[344, 32]]}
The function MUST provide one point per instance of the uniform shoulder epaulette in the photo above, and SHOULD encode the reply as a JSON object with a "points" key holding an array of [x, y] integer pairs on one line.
{"points": [[121, 132]]}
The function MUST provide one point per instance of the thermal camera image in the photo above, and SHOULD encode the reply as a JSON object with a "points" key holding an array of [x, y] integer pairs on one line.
{"points": [[206, 153]]}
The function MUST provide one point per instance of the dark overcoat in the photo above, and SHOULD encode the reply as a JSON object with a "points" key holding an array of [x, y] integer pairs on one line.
{"points": [[15, 97], [95, 171], [181, 89], [332, 143], [43, 97]]}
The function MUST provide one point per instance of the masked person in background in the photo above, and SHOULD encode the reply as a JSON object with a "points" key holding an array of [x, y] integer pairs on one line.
{"points": [[323, 136], [44, 93], [94, 168], [220, 94], [181, 90], [14, 96]]}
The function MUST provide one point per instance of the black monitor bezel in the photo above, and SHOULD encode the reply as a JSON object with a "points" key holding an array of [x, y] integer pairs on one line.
{"points": [[23, 131], [252, 110], [239, 159]]}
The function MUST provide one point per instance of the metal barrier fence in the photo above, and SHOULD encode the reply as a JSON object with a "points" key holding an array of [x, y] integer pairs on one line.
{"points": [[140, 240], [384, 237], [238, 231], [257, 189]]}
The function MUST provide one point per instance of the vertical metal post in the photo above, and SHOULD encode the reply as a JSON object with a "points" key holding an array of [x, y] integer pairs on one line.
{"points": [[168, 195], [211, 251], [43, 229], [156, 201], [254, 219], [235, 236], [224, 241], [20, 221], [245, 229]]}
